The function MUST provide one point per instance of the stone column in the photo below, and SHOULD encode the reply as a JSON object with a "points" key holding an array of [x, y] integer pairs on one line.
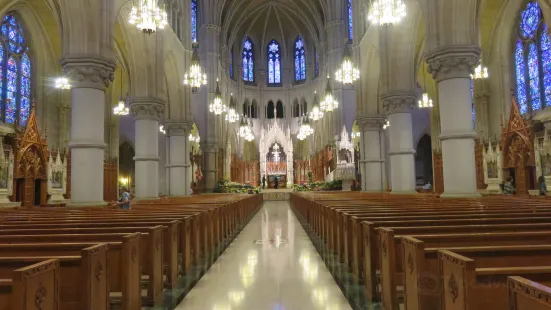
{"points": [[89, 75], [179, 166], [147, 112], [451, 69], [398, 107], [372, 162], [209, 165]]}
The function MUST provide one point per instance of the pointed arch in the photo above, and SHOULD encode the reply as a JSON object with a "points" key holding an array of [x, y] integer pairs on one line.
{"points": [[279, 110], [270, 110], [300, 60], [248, 60], [532, 60], [274, 63], [15, 72]]}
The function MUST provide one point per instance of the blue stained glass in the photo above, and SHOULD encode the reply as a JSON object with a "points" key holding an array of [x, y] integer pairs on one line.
{"points": [[350, 21], [534, 72], [521, 80], [13, 32], [545, 51], [530, 19], [194, 20], [274, 65], [248, 61], [300, 60], [24, 111], [11, 103]]}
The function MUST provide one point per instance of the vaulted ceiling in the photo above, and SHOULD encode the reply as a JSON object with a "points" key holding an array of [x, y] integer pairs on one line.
{"points": [[264, 20]]}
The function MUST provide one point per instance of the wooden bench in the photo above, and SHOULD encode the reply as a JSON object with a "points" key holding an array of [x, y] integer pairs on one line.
{"points": [[36, 285], [528, 295]]}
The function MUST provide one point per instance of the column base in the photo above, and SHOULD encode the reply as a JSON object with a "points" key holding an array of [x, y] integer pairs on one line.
{"points": [[99, 204], [403, 192], [460, 195]]}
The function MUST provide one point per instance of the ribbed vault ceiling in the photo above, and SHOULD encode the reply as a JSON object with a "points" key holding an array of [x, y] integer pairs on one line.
{"points": [[264, 20]]}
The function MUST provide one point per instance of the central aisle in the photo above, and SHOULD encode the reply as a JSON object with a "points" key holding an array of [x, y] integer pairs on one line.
{"points": [[271, 265]]}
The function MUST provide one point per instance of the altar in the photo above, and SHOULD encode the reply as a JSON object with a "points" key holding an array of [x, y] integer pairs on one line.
{"points": [[276, 156]]}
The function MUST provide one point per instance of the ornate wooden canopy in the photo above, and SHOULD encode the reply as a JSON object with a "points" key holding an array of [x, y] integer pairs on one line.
{"points": [[31, 151], [516, 140]]}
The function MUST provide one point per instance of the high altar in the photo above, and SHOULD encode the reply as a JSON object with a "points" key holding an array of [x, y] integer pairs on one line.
{"points": [[276, 155]]}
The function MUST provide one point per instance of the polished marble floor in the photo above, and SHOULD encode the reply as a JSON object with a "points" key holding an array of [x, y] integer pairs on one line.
{"points": [[271, 265]]}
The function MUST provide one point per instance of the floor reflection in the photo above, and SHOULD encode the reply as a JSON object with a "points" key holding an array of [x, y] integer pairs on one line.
{"points": [[281, 272]]}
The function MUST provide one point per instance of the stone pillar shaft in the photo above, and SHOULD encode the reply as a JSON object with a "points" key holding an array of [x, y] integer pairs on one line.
{"points": [[451, 68], [209, 162], [372, 162], [89, 77], [179, 166], [398, 107], [147, 112]]}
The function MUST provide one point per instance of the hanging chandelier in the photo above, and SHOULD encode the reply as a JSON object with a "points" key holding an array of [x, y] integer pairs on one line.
{"points": [[355, 135], [148, 16], [162, 129], [347, 73], [232, 115], [62, 83], [480, 72], [121, 109], [193, 138], [245, 130], [217, 106], [316, 114], [305, 129], [386, 124], [386, 12], [328, 104], [195, 77], [425, 102]]}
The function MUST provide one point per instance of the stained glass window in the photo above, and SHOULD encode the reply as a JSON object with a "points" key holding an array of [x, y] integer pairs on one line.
{"points": [[533, 60], [193, 20], [300, 60], [274, 63], [15, 73], [317, 64], [231, 64], [248, 61], [350, 20]]}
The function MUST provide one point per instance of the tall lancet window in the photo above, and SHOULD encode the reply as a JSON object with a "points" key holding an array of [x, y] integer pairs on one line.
{"points": [[350, 21], [248, 61], [533, 60], [193, 20], [300, 60], [274, 63], [15, 72]]}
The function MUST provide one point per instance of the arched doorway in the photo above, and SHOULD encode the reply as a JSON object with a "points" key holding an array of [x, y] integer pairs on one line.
{"points": [[276, 165], [423, 161], [126, 164]]}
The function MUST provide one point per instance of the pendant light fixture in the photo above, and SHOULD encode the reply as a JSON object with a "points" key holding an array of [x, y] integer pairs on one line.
{"points": [[121, 109], [425, 101], [217, 106], [328, 103], [148, 16], [347, 73], [195, 77]]}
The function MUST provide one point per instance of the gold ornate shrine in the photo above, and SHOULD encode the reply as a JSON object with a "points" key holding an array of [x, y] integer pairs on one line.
{"points": [[30, 165], [518, 150]]}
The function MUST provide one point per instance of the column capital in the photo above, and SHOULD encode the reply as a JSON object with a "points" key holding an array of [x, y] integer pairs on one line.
{"points": [[398, 102], [178, 128], [87, 71], [371, 123], [453, 62], [209, 147], [147, 108]]}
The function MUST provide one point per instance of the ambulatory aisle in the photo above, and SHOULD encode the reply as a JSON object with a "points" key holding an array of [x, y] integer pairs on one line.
{"points": [[271, 265]]}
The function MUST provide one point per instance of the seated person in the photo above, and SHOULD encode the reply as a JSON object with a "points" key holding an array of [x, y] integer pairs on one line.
{"points": [[542, 186], [508, 187], [124, 201]]}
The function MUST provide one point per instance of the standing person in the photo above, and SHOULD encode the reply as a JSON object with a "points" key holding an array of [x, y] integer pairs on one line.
{"points": [[124, 200], [263, 182], [542, 186], [276, 182]]}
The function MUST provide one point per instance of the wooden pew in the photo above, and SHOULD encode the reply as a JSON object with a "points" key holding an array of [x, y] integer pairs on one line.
{"points": [[528, 295], [82, 278], [419, 260], [36, 285], [479, 280]]}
